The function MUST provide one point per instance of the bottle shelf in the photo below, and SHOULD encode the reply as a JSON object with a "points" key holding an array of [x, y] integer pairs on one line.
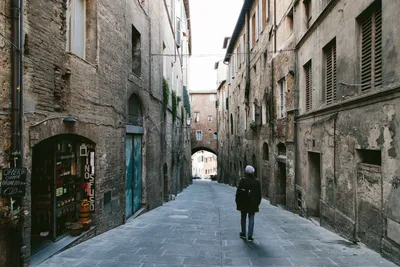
{"points": [[66, 206]]}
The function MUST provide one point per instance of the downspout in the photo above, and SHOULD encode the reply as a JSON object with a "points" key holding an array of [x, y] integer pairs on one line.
{"points": [[247, 87], [16, 88], [229, 135], [296, 127], [16, 160]]}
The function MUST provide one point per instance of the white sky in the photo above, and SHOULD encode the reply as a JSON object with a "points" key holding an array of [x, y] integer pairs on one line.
{"points": [[211, 22]]}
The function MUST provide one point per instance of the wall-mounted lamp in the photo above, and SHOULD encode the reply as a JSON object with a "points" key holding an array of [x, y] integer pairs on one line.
{"points": [[69, 120]]}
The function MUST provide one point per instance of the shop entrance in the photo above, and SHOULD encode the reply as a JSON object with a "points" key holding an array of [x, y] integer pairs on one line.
{"points": [[62, 176]]}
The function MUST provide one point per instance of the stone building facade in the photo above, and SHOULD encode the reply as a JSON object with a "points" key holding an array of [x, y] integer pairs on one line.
{"points": [[95, 114], [312, 95], [203, 121]]}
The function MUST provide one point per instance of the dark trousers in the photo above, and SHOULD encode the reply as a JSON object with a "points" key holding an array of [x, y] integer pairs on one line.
{"points": [[251, 223]]}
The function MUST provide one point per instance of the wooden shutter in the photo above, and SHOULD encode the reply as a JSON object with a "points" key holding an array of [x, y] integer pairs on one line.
{"points": [[308, 72], [378, 47], [371, 51], [330, 75]]}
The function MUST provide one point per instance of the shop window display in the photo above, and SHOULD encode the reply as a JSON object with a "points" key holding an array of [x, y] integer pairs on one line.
{"points": [[62, 178]]}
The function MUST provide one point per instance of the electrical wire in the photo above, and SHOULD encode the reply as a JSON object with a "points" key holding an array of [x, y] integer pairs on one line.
{"points": [[222, 54], [9, 41]]}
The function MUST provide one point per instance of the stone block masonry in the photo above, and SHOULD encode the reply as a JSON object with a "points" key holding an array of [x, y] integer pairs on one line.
{"points": [[94, 90]]}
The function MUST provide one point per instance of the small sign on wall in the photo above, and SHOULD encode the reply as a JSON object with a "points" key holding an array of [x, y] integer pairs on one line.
{"points": [[13, 183]]}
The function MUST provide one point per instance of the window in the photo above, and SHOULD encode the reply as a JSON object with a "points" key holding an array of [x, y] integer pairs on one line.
{"points": [[136, 52], [231, 124], [264, 110], [308, 76], [264, 13], [259, 18], [215, 136], [289, 22], [243, 41], [245, 119], [371, 48], [209, 118], [308, 10], [164, 59], [265, 151], [253, 112], [135, 114], [226, 103], [199, 135], [281, 99], [330, 72], [178, 32], [373, 157], [196, 116], [253, 30], [76, 27]]}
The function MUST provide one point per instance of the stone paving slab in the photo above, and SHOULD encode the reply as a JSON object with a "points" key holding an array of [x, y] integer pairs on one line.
{"points": [[201, 228]]}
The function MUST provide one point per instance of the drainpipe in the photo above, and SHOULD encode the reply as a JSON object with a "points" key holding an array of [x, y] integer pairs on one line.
{"points": [[229, 135], [16, 84], [18, 243], [247, 87]]}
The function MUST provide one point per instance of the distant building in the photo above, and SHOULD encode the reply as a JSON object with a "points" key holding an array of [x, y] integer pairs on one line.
{"points": [[204, 121]]}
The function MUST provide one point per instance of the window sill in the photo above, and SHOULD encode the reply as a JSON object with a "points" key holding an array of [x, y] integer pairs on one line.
{"points": [[70, 54], [351, 103]]}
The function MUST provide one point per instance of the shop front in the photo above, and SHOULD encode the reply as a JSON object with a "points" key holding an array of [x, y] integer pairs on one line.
{"points": [[63, 192]]}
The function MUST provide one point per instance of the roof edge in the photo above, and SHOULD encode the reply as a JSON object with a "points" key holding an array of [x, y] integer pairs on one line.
{"points": [[238, 28]]}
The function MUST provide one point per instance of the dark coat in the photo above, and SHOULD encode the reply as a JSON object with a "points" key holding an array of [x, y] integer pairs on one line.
{"points": [[252, 188]]}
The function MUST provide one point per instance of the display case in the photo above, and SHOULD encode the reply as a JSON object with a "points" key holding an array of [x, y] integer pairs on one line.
{"points": [[65, 189]]}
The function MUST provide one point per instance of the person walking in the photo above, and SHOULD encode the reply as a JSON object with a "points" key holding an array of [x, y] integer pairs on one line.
{"points": [[248, 198]]}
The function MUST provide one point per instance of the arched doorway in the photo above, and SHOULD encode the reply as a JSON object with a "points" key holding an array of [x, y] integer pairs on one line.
{"points": [[166, 190], [63, 175], [133, 145]]}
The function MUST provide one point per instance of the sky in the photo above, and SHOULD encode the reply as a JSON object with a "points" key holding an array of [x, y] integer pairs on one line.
{"points": [[211, 22]]}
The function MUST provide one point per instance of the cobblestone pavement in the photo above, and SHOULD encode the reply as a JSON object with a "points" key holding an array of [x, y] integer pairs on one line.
{"points": [[201, 228]]}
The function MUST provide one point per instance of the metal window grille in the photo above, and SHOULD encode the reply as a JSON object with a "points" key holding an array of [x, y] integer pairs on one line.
{"points": [[371, 51], [330, 75]]}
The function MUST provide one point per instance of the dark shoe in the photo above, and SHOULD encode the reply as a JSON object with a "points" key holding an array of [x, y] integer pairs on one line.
{"points": [[250, 238], [242, 236]]}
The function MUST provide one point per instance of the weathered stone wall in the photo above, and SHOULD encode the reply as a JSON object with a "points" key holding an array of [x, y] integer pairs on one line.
{"points": [[267, 65], [95, 91], [357, 199]]}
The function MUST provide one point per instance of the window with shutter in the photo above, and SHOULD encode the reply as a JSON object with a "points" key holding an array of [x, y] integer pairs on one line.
{"points": [[253, 30], [281, 105], [330, 73], [371, 50], [308, 75], [264, 13]]}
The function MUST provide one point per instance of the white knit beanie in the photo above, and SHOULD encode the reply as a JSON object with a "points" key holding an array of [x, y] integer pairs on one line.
{"points": [[249, 169]]}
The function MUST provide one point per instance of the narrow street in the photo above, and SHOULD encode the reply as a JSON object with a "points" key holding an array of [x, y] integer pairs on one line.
{"points": [[201, 228]]}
